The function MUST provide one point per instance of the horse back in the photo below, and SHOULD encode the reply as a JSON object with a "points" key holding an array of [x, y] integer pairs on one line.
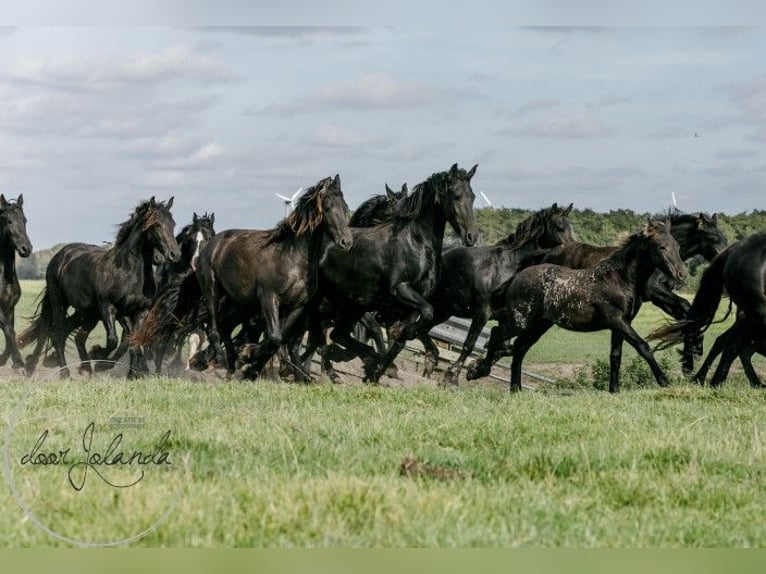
{"points": [[578, 255]]}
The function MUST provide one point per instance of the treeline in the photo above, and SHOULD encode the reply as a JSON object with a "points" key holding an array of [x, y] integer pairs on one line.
{"points": [[590, 226]]}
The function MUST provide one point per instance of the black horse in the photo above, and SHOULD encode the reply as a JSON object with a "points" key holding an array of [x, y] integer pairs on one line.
{"points": [[605, 296], [13, 239], [268, 278], [696, 234], [394, 267], [470, 275], [741, 271], [177, 294], [115, 284]]}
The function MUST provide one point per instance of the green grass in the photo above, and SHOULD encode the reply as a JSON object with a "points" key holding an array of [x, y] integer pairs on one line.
{"points": [[270, 464], [281, 465]]}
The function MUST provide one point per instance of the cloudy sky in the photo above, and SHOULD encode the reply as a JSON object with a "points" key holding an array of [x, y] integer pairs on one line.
{"points": [[94, 119]]}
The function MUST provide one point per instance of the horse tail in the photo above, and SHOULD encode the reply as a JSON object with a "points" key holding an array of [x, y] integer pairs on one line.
{"points": [[703, 309], [41, 323], [168, 311]]}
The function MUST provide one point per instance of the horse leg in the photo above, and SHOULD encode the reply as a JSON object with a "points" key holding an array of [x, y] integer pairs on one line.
{"points": [[615, 359], [137, 363], [431, 355], [254, 357], [736, 340], [718, 346], [477, 324], [80, 338], [642, 348], [524, 341], [499, 334], [7, 323], [210, 293], [60, 334], [745, 356]]}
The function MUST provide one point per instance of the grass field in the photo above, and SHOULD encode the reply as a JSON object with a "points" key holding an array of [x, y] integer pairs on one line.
{"points": [[274, 464]]}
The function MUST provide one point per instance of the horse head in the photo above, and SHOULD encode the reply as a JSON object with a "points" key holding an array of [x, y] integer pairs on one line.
{"points": [[459, 199], [664, 251], [13, 225]]}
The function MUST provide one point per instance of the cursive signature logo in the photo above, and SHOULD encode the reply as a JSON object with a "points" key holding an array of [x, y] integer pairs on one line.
{"points": [[91, 459]]}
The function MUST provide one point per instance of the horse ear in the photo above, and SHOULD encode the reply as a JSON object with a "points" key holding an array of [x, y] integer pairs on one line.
{"points": [[405, 189], [471, 171], [195, 219], [389, 193], [152, 202], [453, 169], [715, 218], [20, 200], [555, 206], [336, 181], [568, 210], [3, 201], [169, 204], [212, 219]]}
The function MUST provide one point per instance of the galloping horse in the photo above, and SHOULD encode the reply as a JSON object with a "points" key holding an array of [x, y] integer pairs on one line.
{"points": [[394, 266], [471, 274], [115, 284], [13, 239], [270, 276], [605, 296], [177, 293], [741, 271]]}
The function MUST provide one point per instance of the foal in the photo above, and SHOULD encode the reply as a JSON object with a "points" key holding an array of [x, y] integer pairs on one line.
{"points": [[606, 296]]}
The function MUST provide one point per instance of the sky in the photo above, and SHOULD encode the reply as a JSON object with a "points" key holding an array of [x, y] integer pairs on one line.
{"points": [[94, 119]]}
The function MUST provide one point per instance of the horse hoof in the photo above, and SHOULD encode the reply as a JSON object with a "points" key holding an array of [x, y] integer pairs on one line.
{"points": [[449, 380], [392, 372], [20, 370], [84, 371], [476, 371]]}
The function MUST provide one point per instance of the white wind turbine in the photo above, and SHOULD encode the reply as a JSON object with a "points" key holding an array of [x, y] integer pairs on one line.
{"points": [[485, 198], [289, 201]]}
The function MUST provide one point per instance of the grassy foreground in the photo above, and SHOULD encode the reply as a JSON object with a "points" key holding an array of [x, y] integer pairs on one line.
{"points": [[269, 464]]}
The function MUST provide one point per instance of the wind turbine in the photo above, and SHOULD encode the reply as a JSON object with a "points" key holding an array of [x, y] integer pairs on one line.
{"points": [[485, 198], [289, 201], [673, 197]]}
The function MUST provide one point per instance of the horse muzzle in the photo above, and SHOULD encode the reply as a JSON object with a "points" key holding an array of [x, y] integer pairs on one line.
{"points": [[470, 238], [346, 243], [25, 250]]}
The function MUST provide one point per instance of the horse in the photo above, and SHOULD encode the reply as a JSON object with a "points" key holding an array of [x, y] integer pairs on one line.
{"points": [[741, 270], [471, 274], [269, 277], [114, 284], [697, 234], [176, 295], [394, 267], [605, 296], [13, 239]]}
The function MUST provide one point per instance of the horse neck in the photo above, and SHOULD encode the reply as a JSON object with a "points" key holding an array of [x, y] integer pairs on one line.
{"points": [[685, 235], [7, 259], [135, 255], [431, 223], [630, 264]]}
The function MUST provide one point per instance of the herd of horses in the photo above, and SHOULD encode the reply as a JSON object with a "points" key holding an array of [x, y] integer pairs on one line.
{"points": [[321, 282]]}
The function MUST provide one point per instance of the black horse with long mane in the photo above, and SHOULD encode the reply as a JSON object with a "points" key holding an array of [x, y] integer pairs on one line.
{"points": [[115, 284], [394, 268], [471, 274], [268, 278], [177, 295], [13, 239], [741, 271], [605, 296]]}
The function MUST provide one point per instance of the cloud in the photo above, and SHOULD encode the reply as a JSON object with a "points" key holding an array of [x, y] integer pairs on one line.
{"points": [[735, 153], [671, 132], [370, 91], [199, 159], [574, 126], [535, 106], [336, 136], [100, 73], [285, 31]]}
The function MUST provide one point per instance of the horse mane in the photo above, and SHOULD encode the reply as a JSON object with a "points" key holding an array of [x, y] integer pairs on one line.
{"points": [[529, 229], [435, 186], [372, 212], [306, 216], [143, 217]]}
